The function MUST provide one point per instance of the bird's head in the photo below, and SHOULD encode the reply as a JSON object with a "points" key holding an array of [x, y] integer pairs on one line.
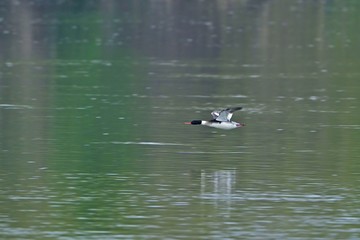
{"points": [[194, 122]]}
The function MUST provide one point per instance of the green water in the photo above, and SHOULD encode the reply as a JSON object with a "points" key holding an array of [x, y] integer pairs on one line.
{"points": [[93, 96]]}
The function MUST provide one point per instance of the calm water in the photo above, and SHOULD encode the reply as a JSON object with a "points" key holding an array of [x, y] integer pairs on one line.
{"points": [[93, 96]]}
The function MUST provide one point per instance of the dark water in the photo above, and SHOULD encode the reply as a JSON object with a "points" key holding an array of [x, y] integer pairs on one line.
{"points": [[93, 96]]}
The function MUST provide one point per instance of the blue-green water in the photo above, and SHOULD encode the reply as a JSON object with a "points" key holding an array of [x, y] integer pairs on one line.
{"points": [[93, 96]]}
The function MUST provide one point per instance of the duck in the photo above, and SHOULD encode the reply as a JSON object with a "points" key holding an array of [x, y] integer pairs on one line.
{"points": [[221, 119]]}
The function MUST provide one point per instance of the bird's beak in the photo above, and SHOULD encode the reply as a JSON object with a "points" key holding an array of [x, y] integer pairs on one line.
{"points": [[188, 123], [240, 124]]}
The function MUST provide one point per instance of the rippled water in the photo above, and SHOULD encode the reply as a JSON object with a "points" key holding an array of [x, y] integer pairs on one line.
{"points": [[98, 172], [93, 144]]}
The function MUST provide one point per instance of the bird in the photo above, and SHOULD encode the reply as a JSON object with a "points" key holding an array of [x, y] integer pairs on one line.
{"points": [[221, 119]]}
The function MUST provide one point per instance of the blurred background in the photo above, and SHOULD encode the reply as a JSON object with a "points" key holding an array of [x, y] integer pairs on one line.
{"points": [[93, 96]]}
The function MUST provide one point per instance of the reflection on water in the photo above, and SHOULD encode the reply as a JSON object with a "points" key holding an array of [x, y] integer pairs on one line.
{"points": [[93, 96], [218, 186]]}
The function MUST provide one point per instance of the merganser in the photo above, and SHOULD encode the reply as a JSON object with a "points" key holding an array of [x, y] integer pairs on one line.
{"points": [[221, 119]]}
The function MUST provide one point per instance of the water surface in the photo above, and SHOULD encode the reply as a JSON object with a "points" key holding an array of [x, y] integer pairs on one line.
{"points": [[93, 97]]}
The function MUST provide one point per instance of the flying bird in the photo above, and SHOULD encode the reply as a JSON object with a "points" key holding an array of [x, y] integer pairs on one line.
{"points": [[221, 119]]}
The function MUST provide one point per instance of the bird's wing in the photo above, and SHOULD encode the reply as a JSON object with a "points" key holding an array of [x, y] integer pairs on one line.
{"points": [[226, 114], [215, 114]]}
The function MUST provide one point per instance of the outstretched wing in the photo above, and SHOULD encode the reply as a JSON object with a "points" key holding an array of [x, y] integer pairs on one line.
{"points": [[215, 114], [225, 114]]}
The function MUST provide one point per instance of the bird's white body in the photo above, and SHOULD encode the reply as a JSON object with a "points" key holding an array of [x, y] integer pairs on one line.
{"points": [[221, 125], [221, 119]]}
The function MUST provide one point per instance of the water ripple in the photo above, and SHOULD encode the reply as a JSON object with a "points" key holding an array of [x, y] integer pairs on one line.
{"points": [[143, 143]]}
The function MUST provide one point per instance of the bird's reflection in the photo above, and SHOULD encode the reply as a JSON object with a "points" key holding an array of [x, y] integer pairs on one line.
{"points": [[218, 186]]}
